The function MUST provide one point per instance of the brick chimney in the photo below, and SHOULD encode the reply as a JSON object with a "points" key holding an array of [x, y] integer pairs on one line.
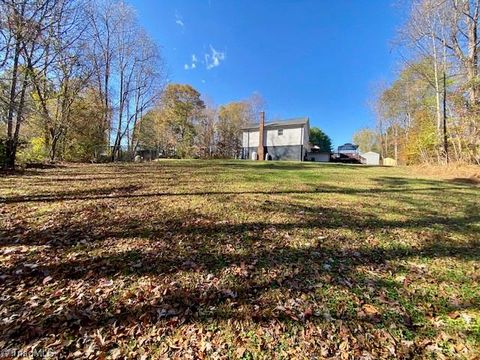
{"points": [[261, 142]]}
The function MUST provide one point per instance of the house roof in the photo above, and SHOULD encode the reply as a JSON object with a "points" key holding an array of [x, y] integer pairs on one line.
{"points": [[348, 146], [279, 123]]}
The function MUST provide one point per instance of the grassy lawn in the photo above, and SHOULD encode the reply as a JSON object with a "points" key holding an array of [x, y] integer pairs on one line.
{"points": [[230, 259]]}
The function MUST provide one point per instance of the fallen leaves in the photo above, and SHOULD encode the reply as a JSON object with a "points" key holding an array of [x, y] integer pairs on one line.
{"points": [[370, 312], [255, 272]]}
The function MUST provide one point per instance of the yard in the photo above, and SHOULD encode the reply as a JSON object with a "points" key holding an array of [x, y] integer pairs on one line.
{"points": [[230, 259]]}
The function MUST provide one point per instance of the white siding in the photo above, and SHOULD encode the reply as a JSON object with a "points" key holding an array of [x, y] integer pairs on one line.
{"points": [[371, 158], [250, 138], [321, 157], [245, 139], [290, 136]]}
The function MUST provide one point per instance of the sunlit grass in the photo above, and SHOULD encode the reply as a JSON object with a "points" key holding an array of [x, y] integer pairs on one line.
{"points": [[240, 259]]}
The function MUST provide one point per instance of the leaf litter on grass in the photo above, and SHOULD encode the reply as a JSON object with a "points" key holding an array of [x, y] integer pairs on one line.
{"points": [[192, 259]]}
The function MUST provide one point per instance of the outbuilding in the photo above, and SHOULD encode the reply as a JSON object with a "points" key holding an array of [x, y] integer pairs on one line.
{"points": [[315, 154], [389, 162], [371, 158]]}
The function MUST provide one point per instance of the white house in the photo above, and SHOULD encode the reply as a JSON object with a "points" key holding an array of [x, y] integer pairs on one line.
{"points": [[279, 140]]}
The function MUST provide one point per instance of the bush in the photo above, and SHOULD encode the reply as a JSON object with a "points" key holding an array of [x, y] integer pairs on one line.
{"points": [[34, 151]]}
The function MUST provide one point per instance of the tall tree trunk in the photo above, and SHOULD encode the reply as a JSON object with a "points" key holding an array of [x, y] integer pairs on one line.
{"points": [[53, 148], [437, 85], [472, 60], [13, 110], [118, 137], [395, 129], [106, 119], [445, 134], [437, 97]]}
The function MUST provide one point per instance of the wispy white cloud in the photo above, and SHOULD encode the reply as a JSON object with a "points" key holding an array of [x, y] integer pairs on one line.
{"points": [[193, 65], [214, 58], [179, 20]]}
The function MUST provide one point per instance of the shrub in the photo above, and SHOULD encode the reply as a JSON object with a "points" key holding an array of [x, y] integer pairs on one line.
{"points": [[34, 151]]}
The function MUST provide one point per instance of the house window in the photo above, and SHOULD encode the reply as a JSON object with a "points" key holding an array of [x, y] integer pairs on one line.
{"points": [[280, 132]]}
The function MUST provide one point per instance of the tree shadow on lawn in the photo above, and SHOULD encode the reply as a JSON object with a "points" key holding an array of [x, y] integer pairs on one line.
{"points": [[469, 181], [67, 231], [389, 185], [95, 193], [106, 182], [292, 165], [73, 172], [19, 173], [250, 298], [267, 266], [392, 182], [162, 168], [274, 282]]}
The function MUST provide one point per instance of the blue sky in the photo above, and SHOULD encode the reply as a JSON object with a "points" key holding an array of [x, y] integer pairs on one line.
{"points": [[312, 58]]}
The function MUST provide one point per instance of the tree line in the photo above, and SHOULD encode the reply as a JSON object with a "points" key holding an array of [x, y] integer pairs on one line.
{"points": [[75, 76], [182, 125], [431, 112], [81, 80]]}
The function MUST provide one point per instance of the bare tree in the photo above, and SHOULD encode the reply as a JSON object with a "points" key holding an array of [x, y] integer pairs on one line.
{"points": [[461, 24], [61, 74], [256, 105], [148, 83], [206, 126], [128, 70], [25, 33], [104, 24]]}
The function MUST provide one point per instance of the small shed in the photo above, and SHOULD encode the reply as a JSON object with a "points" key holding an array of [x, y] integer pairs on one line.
{"points": [[389, 162], [371, 158]]}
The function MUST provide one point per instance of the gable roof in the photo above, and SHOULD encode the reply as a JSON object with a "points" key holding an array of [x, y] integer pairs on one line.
{"points": [[279, 123], [348, 146]]}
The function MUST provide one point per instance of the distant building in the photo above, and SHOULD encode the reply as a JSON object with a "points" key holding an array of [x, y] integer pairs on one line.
{"points": [[277, 140], [348, 148], [389, 162], [371, 158], [347, 153], [316, 155]]}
